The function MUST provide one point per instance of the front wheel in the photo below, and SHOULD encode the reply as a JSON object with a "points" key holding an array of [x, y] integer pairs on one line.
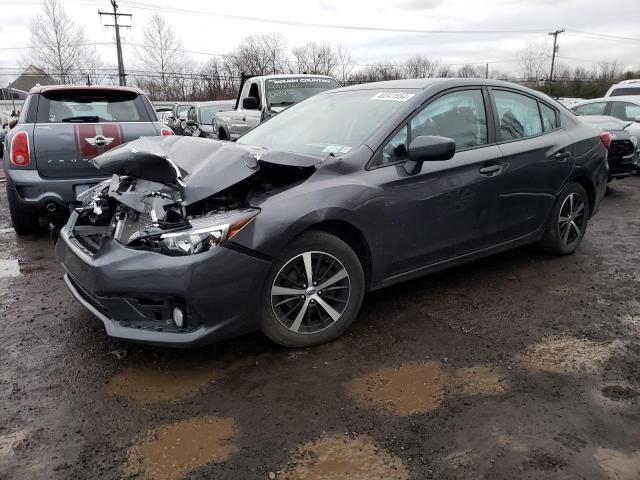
{"points": [[313, 292], [568, 221]]}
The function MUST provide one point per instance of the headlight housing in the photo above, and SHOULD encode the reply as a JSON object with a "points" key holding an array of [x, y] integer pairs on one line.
{"points": [[205, 233]]}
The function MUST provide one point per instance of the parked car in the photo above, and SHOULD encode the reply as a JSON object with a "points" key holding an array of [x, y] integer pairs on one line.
{"points": [[569, 102], [61, 128], [12, 94], [622, 146], [348, 191], [200, 117], [626, 109], [162, 113], [260, 98], [4, 129], [624, 88], [176, 119]]}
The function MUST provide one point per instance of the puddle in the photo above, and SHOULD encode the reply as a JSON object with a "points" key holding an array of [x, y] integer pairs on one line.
{"points": [[420, 387], [171, 451], [148, 386], [618, 465], [9, 268], [567, 355], [341, 457]]}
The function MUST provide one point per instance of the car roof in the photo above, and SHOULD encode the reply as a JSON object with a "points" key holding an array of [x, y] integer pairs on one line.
{"points": [[626, 98], [53, 88], [424, 83]]}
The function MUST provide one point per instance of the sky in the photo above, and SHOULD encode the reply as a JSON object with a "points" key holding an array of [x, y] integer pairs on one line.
{"points": [[203, 27]]}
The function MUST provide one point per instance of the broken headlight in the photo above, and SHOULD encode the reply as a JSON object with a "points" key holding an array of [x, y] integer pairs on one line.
{"points": [[200, 238]]}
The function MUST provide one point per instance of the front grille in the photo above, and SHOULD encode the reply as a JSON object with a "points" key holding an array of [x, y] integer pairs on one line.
{"points": [[621, 148]]}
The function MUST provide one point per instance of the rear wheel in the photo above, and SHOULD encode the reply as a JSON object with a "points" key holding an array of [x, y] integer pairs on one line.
{"points": [[24, 221], [314, 291], [568, 222]]}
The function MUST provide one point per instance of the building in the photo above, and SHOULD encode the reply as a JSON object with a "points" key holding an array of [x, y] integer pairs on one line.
{"points": [[31, 77]]}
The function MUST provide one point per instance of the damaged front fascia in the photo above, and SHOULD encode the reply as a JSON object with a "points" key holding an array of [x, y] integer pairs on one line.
{"points": [[198, 168]]}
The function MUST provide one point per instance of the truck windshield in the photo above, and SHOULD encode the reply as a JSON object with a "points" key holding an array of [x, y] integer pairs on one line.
{"points": [[283, 92], [90, 106], [331, 123]]}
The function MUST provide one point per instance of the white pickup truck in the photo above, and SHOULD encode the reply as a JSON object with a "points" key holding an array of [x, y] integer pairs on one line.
{"points": [[264, 96]]}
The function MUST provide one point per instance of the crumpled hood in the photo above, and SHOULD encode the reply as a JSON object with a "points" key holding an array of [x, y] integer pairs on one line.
{"points": [[198, 167]]}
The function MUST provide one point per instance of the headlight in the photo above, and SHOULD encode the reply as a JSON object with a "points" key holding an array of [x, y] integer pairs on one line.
{"points": [[201, 238]]}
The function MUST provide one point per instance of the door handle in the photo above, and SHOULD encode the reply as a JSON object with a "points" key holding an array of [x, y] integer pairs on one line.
{"points": [[562, 155], [491, 169], [244, 119]]}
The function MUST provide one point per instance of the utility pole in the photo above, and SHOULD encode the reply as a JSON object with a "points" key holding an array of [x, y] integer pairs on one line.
{"points": [[486, 71], [553, 56], [121, 75]]}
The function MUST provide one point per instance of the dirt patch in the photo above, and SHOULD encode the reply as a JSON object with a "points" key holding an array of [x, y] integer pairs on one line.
{"points": [[149, 385], [559, 354], [169, 452], [414, 387], [419, 387], [618, 465], [341, 457], [479, 380], [9, 441]]}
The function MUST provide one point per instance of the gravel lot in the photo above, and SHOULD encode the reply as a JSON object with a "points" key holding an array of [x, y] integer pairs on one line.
{"points": [[518, 366]]}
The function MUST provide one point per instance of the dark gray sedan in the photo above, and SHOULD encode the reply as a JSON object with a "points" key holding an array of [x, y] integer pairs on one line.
{"points": [[349, 191]]}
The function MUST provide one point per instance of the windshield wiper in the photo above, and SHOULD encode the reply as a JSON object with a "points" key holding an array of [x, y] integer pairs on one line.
{"points": [[82, 119]]}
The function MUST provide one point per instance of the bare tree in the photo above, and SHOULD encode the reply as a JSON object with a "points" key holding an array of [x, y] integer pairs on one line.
{"points": [[419, 66], [345, 63], [469, 71], [56, 43], [261, 54], [534, 60], [445, 71], [161, 53], [317, 58]]}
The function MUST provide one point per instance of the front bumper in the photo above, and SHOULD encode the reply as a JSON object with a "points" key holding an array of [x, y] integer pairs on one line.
{"points": [[133, 292], [620, 167]]}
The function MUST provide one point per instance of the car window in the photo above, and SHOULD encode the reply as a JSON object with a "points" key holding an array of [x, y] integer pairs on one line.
{"points": [[91, 106], [518, 115], [625, 111], [396, 150], [549, 119], [254, 91], [596, 108], [620, 91], [458, 115]]}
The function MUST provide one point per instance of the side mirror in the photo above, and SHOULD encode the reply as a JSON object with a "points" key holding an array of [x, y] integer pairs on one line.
{"points": [[250, 103], [428, 149]]}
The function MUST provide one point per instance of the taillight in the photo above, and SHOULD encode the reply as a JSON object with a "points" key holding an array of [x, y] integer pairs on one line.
{"points": [[165, 131], [20, 149], [605, 138]]}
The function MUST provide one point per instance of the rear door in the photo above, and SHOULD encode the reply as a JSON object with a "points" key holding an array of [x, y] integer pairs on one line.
{"points": [[74, 126], [538, 159]]}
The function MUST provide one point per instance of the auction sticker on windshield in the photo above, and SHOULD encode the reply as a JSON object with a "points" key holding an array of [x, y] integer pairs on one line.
{"points": [[393, 96]]}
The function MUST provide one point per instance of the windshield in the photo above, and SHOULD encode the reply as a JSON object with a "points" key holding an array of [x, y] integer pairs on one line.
{"points": [[90, 106], [330, 123], [620, 91], [283, 92], [207, 113]]}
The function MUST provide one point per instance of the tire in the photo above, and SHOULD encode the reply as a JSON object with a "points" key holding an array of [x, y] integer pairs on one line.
{"points": [[24, 222], [568, 221], [330, 258]]}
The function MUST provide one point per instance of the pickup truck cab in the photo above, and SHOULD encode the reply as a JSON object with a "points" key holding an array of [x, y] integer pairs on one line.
{"points": [[60, 129], [264, 96]]}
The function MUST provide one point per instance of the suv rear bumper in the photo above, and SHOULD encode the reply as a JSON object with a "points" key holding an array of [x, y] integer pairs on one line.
{"points": [[45, 196]]}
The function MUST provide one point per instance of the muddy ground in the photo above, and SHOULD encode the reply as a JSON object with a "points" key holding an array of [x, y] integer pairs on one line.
{"points": [[518, 366]]}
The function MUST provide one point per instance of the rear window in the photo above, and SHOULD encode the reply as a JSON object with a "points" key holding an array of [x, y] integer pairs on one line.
{"points": [[91, 106], [619, 91]]}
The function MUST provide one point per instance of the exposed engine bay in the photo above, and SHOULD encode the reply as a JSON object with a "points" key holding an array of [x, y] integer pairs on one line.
{"points": [[149, 215]]}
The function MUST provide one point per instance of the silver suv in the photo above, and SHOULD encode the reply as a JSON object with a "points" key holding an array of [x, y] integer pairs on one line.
{"points": [[625, 87]]}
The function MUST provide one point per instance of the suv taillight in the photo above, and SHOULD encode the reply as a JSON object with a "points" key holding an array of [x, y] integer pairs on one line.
{"points": [[20, 149], [605, 138], [165, 131]]}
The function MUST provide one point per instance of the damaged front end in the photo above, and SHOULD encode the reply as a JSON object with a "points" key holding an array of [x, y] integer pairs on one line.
{"points": [[181, 198]]}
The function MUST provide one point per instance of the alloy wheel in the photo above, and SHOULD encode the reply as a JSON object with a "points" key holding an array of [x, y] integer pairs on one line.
{"points": [[310, 292], [571, 219]]}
